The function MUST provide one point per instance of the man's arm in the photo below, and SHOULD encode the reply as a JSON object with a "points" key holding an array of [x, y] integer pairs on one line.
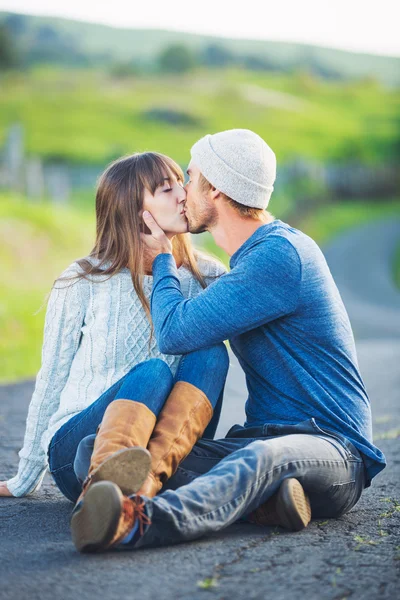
{"points": [[264, 286]]}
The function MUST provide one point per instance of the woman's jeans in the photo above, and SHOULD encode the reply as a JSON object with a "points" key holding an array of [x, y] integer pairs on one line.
{"points": [[149, 382], [223, 481]]}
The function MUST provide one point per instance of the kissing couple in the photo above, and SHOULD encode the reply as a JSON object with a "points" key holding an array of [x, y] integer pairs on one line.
{"points": [[128, 397]]}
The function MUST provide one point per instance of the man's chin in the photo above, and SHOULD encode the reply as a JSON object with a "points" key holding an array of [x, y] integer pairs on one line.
{"points": [[196, 228]]}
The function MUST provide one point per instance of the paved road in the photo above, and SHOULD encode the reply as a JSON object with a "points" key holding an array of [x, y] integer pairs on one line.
{"points": [[356, 556]]}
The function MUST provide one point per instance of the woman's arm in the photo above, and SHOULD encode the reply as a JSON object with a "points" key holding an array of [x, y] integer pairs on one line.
{"points": [[62, 333]]}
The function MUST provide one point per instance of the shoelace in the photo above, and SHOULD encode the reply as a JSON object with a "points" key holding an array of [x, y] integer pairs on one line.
{"points": [[139, 512]]}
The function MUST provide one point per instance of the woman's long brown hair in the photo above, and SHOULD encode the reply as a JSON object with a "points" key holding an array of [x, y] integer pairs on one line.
{"points": [[119, 204]]}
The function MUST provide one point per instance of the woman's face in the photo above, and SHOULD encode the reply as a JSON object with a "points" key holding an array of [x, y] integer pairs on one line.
{"points": [[167, 206]]}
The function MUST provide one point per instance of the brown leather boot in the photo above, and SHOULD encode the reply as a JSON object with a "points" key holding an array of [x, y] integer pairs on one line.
{"points": [[106, 517], [182, 421], [119, 453], [289, 507]]}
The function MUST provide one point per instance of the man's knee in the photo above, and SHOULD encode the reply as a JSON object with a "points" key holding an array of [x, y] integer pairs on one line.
{"points": [[82, 458], [268, 455]]}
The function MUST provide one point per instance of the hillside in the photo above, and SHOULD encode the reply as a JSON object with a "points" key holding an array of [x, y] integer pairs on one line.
{"points": [[64, 41], [86, 116]]}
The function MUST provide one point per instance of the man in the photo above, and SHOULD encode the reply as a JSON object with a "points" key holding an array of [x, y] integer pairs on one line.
{"points": [[306, 447]]}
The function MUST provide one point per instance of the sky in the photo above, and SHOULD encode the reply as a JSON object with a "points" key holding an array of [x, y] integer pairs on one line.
{"points": [[357, 25]]}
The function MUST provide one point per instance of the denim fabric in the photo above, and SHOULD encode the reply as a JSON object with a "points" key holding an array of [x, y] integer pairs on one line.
{"points": [[225, 480], [286, 322], [206, 454], [149, 382]]}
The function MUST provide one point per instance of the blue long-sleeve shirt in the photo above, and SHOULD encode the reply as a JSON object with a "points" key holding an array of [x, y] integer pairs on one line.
{"points": [[283, 315]]}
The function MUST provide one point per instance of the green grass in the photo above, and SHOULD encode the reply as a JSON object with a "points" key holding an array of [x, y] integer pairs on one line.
{"points": [[38, 243], [91, 117]]}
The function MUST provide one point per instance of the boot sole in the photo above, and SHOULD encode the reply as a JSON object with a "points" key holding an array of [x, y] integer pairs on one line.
{"points": [[128, 468], [94, 525], [293, 505]]}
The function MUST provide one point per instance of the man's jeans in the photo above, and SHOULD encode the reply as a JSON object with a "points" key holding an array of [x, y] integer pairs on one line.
{"points": [[222, 481], [149, 382]]}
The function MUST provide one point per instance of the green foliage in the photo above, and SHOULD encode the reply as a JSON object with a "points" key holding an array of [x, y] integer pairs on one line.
{"points": [[216, 55], [8, 52], [208, 583], [362, 542], [177, 59], [171, 116]]}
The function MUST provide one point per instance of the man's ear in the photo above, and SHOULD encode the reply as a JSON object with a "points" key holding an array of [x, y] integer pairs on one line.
{"points": [[215, 194]]}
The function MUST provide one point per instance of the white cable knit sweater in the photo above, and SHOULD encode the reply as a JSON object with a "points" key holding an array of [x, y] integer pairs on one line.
{"points": [[94, 334]]}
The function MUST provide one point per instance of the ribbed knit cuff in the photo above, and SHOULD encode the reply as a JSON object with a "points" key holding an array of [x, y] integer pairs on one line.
{"points": [[164, 264], [29, 478]]}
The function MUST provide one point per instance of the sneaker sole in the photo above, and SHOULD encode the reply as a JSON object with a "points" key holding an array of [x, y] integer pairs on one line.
{"points": [[128, 468], [95, 522], [293, 505]]}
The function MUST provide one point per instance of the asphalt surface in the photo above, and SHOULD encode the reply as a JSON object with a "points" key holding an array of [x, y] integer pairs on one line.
{"points": [[356, 556]]}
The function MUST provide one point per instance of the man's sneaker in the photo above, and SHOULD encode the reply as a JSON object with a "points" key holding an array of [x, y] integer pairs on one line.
{"points": [[289, 508], [105, 517]]}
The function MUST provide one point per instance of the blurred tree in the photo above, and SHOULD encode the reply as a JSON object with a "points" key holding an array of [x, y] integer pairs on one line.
{"points": [[353, 149], [215, 55], [172, 117], [323, 69], [123, 70], [47, 35], [48, 45], [9, 57], [260, 63], [177, 59], [16, 24]]}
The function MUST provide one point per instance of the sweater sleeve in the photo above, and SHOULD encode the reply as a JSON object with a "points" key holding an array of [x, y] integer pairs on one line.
{"points": [[62, 331], [262, 287]]}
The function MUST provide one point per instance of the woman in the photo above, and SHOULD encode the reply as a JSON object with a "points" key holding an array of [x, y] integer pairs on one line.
{"points": [[101, 368]]}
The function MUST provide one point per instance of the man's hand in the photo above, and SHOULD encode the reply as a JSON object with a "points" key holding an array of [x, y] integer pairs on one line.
{"points": [[4, 491], [156, 242]]}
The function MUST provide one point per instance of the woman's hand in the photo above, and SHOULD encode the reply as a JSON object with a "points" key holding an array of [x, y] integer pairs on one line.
{"points": [[4, 491]]}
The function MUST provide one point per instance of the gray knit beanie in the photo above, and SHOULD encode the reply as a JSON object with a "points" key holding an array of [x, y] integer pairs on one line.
{"points": [[238, 163]]}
